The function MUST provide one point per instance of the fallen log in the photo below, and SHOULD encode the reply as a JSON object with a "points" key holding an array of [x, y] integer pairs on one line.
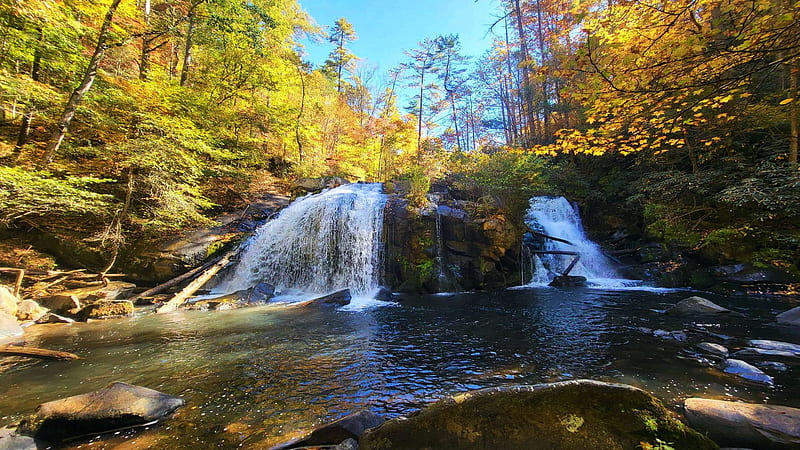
{"points": [[18, 281], [34, 352], [562, 252], [197, 283], [172, 282], [552, 238]]}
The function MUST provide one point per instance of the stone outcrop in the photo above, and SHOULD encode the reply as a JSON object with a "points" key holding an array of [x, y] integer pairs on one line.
{"points": [[746, 425], [696, 305], [568, 415], [335, 433], [117, 406], [106, 309]]}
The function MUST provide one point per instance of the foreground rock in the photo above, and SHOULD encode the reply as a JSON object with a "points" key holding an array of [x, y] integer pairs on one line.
{"points": [[117, 406], [9, 328], [106, 309], [745, 425], [696, 305], [578, 414], [346, 428], [790, 317]]}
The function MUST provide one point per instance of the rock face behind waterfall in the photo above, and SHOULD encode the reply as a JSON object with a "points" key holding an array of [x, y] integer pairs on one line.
{"points": [[450, 245]]}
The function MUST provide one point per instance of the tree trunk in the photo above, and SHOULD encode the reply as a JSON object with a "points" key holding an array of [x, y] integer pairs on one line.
{"points": [[189, 290], [86, 84], [526, 79], [793, 112], [187, 50], [27, 116], [419, 110], [300, 114], [545, 95]]}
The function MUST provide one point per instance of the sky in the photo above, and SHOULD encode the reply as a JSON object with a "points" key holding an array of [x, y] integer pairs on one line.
{"points": [[385, 28]]}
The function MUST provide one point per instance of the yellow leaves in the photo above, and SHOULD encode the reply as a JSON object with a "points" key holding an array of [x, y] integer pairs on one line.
{"points": [[786, 101], [726, 99]]}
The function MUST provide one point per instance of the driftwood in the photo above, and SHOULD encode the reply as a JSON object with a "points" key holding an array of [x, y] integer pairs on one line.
{"points": [[552, 238], [168, 284], [18, 281], [561, 252], [197, 283], [33, 352]]}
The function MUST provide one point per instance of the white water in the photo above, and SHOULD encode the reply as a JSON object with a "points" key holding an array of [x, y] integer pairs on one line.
{"points": [[318, 244], [555, 216]]}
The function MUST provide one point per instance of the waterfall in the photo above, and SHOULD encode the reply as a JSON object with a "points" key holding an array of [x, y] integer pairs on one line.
{"points": [[318, 244], [555, 216]]}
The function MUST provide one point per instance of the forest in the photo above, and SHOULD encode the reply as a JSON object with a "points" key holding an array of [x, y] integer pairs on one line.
{"points": [[675, 120]]}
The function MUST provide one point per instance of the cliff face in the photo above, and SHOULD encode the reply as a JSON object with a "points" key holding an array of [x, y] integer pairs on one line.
{"points": [[450, 245]]}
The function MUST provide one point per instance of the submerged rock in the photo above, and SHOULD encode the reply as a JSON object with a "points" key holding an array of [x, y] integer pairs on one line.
{"points": [[765, 344], [764, 352], [337, 433], [567, 415], [744, 424], [747, 371], [696, 305], [118, 405], [9, 328], [714, 349], [106, 309], [568, 281], [790, 317]]}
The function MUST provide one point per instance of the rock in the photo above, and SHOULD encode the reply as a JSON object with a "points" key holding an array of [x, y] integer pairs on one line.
{"points": [[9, 328], [106, 309], [113, 291], [302, 185], [447, 211], [384, 295], [774, 365], [568, 281], [579, 414], [338, 298], [744, 424], [54, 318], [260, 293], [747, 371], [677, 335], [348, 427], [118, 405], [11, 440], [8, 301], [61, 303], [747, 274], [29, 310], [763, 352], [790, 317], [347, 444], [766, 344], [714, 349], [696, 305]]}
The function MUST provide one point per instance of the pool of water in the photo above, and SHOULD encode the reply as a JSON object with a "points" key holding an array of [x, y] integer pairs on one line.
{"points": [[255, 377]]}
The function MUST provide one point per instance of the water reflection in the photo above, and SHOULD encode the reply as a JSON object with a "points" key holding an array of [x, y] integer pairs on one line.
{"points": [[252, 376]]}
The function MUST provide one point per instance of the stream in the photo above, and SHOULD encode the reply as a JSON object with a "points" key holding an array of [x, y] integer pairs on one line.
{"points": [[257, 376]]}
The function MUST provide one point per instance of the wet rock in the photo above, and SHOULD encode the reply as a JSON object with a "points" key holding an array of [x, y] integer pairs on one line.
{"points": [[714, 349], [54, 318], [106, 309], [744, 424], [384, 295], [790, 317], [567, 415], [763, 352], [29, 310], [346, 428], [113, 291], [568, 281], [747, 371], [61, 303], [696, 305], [347, 444], [338, 298], [9, 328], [766, 344], [447, 211], [118, 405], [11, 440], [8, 301], [773, 365], [260, 293], [747, 274], [306, 185], [677, 335]]}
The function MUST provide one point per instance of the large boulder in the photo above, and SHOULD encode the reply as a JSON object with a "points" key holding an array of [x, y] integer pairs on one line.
{"points": [[790, 317], [338, 298], [568, 281], [568, 415], [8, 301], [737, 424], [9, 328], [116, 406], [107, 309], [348, 427], [696, 305]]}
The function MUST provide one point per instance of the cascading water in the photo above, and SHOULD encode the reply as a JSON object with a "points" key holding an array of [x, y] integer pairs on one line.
{"points": [[318, 244], [555, 216]]}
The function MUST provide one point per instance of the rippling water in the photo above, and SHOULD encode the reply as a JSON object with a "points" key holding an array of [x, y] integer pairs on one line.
{"points": [[254, 377]]}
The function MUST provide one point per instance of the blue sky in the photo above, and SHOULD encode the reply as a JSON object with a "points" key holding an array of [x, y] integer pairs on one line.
{"points": [[387, 27]]}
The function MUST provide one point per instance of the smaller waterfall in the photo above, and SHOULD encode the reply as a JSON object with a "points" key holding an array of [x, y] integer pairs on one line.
{"points": [[318, 244], [555, 216]]}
